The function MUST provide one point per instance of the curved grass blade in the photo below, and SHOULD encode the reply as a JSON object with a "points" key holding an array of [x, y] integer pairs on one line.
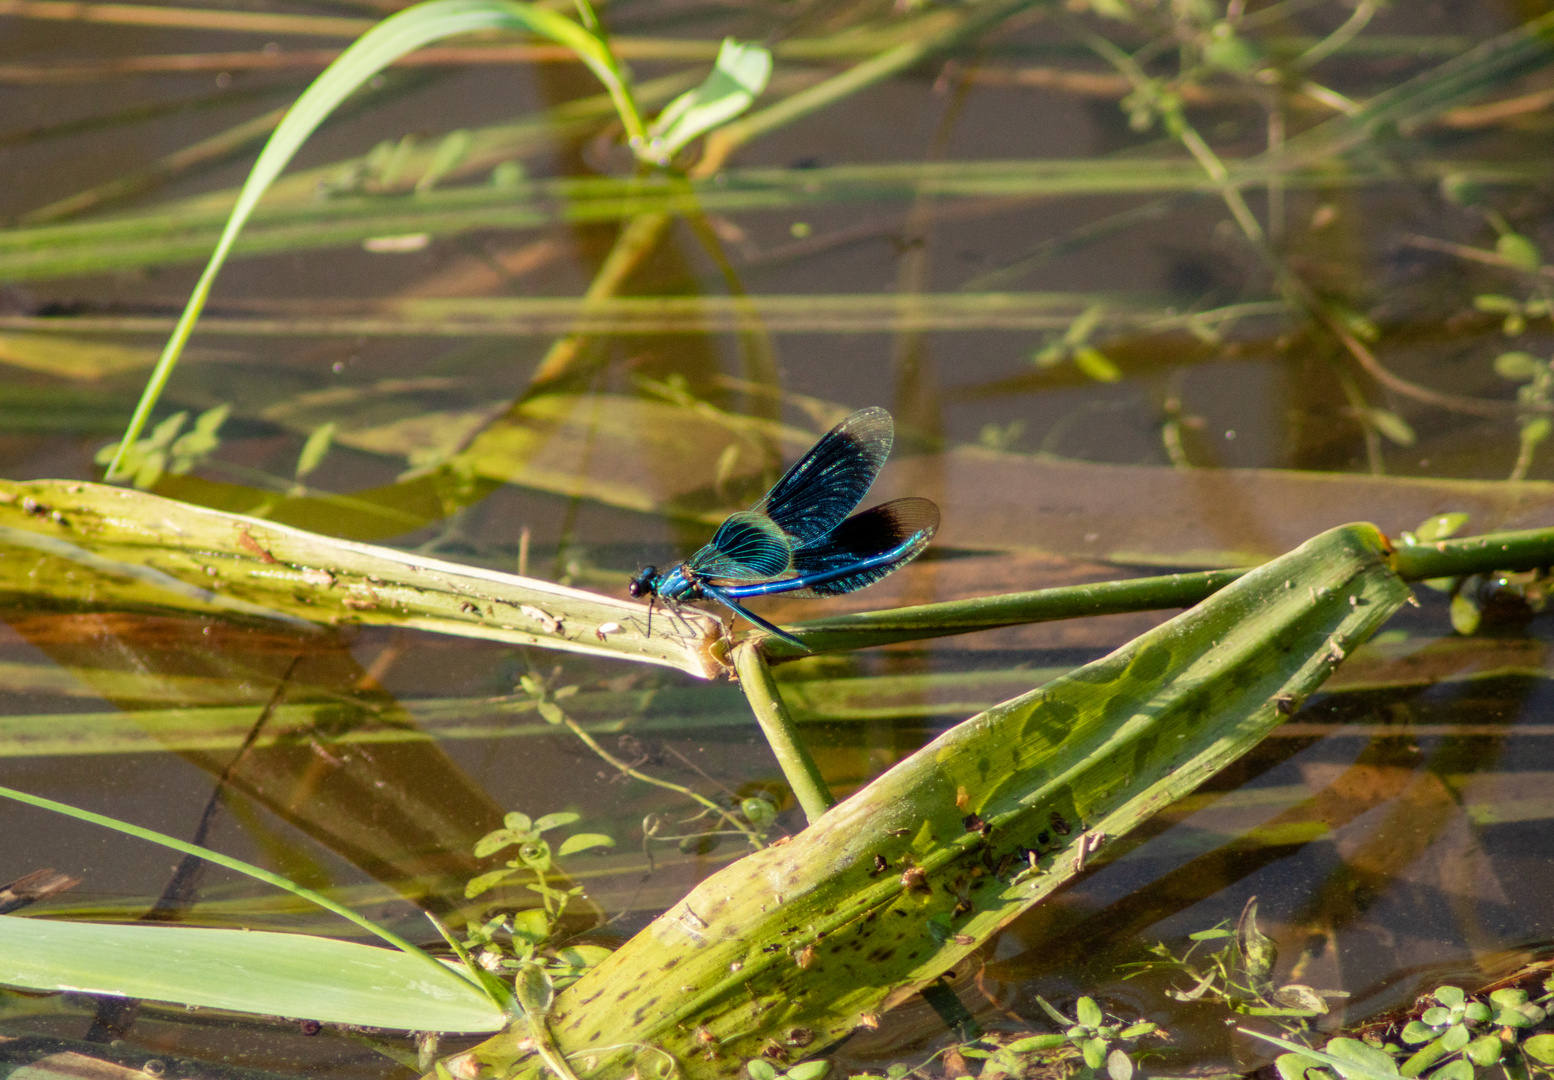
{"points": [[397, 35]]}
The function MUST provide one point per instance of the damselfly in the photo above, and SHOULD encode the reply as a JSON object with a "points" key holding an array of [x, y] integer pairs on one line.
{"points": [[799, 539]]}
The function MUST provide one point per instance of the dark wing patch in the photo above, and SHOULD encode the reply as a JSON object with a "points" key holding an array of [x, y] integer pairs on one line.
{"points": [[747, 547], [829, 482], [905, 524]]}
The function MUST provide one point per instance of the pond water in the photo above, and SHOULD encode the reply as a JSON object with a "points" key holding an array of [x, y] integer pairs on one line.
{"points": [[1104, 358]]}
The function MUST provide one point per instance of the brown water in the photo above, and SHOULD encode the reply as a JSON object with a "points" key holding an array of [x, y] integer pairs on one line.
{"points": [[1395, 834]]}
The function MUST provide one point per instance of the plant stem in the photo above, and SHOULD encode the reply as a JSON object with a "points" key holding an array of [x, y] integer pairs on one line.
{"points": [[803, 775], [1508, 552]]}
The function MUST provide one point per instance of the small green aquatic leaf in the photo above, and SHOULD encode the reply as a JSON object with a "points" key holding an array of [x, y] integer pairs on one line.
{"points": [[758, 812], [1032, 1043], [520, 823], [1535, 430], [1212, 935], [1392, 426], [450, 153], [1298, 996], [1465, 614], [1259, 954], [533, 926], [1367, 1060], [484, 883], [1455, 1038], [761, 1069], [1226, 49], [583, 842], [1295, 1066], [1119, 1066], [1485, 1050], [1088, 1012], [1517, 366], [315, 449], [555, 821], [1519, 251], [583, 956], [535, 989], [1476, 1011], [1096, 364], [1461, 190], [1094, 1052], [1514, 1018], [809, 1070], [493, 842], [738, 77], [1416, 1032], [1540, 1048], [1459, 1069]]}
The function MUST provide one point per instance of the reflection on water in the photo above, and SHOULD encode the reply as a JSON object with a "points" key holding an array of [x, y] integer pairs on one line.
{"points": [[1099, 362]]}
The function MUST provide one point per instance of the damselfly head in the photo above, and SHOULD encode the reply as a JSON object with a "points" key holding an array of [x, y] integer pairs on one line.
{"points": [[644, 583]]}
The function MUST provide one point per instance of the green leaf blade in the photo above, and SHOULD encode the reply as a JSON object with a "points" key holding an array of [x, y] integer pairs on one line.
{"points": [[295, 975]]}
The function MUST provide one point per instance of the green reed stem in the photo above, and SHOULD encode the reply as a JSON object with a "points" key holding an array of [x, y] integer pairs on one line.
{"points": [[803, 775], [1509, 552]]}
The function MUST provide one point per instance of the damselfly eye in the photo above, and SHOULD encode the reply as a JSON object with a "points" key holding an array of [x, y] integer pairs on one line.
{"points": [[642, 584]]}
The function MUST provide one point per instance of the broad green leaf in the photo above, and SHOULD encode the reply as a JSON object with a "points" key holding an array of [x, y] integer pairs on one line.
{"points": [[294, 975], [138, 551], [1099, 750], [738, 77]]}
